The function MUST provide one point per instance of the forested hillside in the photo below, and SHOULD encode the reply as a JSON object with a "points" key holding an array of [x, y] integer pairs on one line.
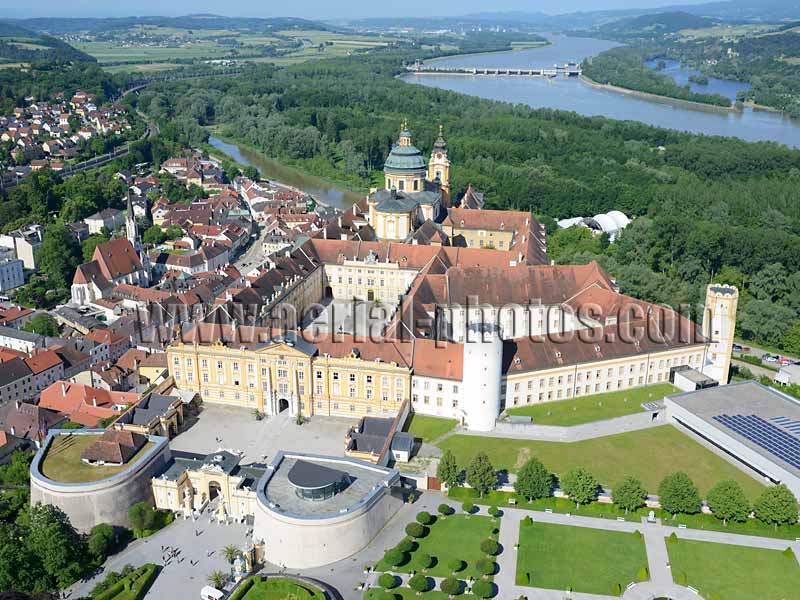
{"points": [[18, 44], [709, 207]]}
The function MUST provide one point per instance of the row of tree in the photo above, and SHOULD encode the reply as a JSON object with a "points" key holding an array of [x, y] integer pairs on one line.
{"points": [[677, 493]]}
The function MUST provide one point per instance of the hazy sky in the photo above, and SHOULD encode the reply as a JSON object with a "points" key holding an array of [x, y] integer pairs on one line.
{"points": [[322, 9]]}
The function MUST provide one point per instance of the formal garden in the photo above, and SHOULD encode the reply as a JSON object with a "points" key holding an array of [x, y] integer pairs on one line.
{"points": [[579, 559], [727, 572], [726, 506], [128, 584], [596, 407], [454, 547]]}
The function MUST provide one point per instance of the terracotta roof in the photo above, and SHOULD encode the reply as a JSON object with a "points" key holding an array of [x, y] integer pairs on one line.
{"points": [[91, 273], [28, 420], [126, 361], [8, 315], [117, 258], [41, 362], [444, 360], [114, 446], [84, 404]]}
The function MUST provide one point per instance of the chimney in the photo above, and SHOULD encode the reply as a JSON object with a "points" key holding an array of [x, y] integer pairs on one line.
{"points": [[94, 400], [63, 389]]}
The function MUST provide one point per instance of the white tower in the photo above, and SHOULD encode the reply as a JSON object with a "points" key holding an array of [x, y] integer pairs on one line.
{"points": [[483, 366], [719, 324]]}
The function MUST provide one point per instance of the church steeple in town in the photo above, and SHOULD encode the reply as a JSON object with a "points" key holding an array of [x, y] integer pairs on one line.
{"points": [[131, 229], [439, 166]]}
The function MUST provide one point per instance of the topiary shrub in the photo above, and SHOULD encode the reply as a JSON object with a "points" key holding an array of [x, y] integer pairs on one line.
{"points": [[416, 530], [789, 552], [450, 586], [456, 565], [527, 521], [395, 558], [468, 507], [388, 581], [483, 589], [485, 566], [490, 547], [673, 538], [422, 560], [494, 511], [406, 545], [419, 583], [446, 510], [642, 574], [617, 589], [637, 534], [680, 578], [424, 518]]}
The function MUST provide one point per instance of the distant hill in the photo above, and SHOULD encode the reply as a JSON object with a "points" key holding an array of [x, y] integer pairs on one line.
{"points": [[20, 44], [661, 23], [62, 26]]}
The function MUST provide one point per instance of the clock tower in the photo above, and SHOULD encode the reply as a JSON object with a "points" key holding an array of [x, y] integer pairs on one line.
{"points": [[439, 166]]}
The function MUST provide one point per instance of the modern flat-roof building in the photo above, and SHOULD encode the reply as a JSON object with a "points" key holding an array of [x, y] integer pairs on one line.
{"points": [[757, 425]]}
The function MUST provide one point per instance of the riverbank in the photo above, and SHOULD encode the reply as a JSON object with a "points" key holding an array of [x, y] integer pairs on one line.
{"points": [[657, 98], [324, 190], [519, 48]]}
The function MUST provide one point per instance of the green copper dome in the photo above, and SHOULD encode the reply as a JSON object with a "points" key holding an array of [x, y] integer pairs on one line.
{"points": [[405, 159]]}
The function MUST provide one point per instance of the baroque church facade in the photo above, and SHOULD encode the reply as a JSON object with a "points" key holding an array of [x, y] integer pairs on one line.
{"points": [[415, 190]]}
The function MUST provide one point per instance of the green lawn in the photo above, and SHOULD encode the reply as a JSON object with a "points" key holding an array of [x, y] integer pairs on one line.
{"points": [[280, 589], [735, 572], [648, 454], [428, 428], [587, 560], [456, 536], [409, 594], [62, 462], [595, 407]]}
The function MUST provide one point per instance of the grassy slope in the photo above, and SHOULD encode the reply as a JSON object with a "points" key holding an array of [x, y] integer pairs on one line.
{"points": [[588, 560], [595, 407], [735, 572], [428, 428], [649, 454], [63, 460]]}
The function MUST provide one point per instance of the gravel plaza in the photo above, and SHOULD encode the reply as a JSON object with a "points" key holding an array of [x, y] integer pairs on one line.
{"points": [[237, 429]]}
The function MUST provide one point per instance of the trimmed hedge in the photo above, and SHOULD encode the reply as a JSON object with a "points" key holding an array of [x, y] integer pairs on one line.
{"points": [[134, 585]]}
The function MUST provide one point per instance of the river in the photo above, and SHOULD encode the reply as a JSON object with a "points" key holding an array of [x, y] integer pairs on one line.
{"points": [[321, 190], [574, 95]]}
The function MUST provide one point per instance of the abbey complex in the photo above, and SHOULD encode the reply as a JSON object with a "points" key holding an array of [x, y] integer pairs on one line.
{"points": [[473, 317]]}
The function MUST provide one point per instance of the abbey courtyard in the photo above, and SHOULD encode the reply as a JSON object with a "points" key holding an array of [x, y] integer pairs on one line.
{"points": [[362, 406]]}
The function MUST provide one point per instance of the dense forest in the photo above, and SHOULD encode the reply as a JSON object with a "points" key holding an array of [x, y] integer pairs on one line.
{"points": [[708, 208]]}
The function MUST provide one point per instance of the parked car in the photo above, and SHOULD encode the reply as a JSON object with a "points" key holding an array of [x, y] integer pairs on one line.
{"points": [[737, 347], [783, 361], [769, 358]]}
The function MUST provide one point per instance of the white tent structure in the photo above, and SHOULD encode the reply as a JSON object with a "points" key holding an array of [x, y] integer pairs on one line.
{"points": [[610, 223]]}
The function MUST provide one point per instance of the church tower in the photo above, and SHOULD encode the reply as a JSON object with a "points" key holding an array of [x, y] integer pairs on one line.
{"points": [[132, 232], [439, 166], [719, 323]]}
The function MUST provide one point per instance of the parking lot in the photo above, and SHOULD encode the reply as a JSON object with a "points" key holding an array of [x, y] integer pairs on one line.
{"points": [[233, 428]]}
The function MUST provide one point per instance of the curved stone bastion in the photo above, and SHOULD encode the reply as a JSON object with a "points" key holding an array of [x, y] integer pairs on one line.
{"points": [[316, 510], [90, 494]]}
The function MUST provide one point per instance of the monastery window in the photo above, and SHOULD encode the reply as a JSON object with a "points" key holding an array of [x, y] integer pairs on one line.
{"points": [[263, 371], [335, 406], [301, 390], [369, 410], [251, 384], [413, 383], [237, 396], [541, 396], [251, 368], [352, 377], [177, 376], [336, 389], [188, 363], [219, 364], [630, 382], [369, 378], [189, 376], [318, 389], [283, 373], [558, 394], [385, 396], [176, 361], [455, 389], [426, 400], [401, 185], [204, 363], [236, 366], [455, 403], [438, 401], [502, 244], [335, 376], [283, 389], [206, 393], [301, 375], [319, 404], [439, 387], [222, 394], [416, 185], [398, 383], [352, 391], [426, 385], [369, 393]]}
